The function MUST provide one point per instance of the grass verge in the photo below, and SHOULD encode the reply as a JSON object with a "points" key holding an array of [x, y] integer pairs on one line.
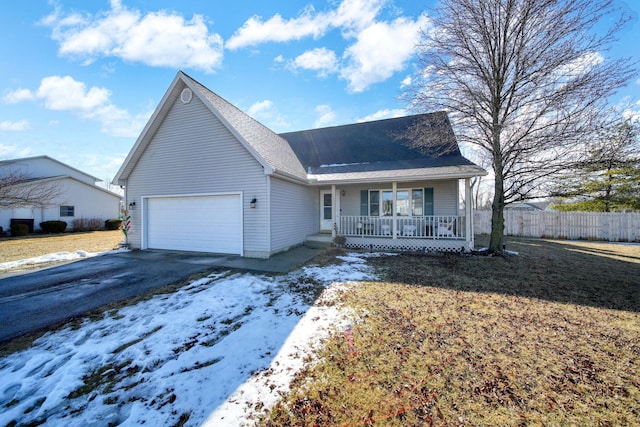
{"points": [[548, 337], [17, 248]]}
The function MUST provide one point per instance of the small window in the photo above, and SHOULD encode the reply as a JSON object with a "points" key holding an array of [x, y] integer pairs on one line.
{"points": [[67, 211], [327, 206], [417, 203], [387, 203], [374, 203], [402, 203]]}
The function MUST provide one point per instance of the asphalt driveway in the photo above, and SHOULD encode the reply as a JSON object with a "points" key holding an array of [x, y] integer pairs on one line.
{"points": [[34, 301]]}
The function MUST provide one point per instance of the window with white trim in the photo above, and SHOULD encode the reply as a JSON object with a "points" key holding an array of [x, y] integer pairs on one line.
{"points": [[409, 202]]}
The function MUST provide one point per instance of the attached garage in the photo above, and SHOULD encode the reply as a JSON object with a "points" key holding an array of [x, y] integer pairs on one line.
{"points": [[210, 223]]}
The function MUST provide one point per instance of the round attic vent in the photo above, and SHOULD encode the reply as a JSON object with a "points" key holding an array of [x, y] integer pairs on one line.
{"points": [[186, 95]]}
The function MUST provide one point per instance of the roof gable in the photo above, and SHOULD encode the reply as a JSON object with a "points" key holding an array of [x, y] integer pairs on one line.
{"points": [[265, 144], [45, 166], [269, 149], [79, 181]]}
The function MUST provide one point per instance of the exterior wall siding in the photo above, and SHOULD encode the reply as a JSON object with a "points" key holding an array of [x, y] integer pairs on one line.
{"points": [[295, 213], [445, 195], [87, 202], [192, 152]]}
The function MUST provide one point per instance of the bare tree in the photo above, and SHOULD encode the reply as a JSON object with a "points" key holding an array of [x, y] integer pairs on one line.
{"points": [[523, 81], [19, 190]]}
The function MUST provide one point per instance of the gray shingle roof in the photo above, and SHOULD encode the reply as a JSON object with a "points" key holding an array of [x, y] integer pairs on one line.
{"points": [[381, 145]]}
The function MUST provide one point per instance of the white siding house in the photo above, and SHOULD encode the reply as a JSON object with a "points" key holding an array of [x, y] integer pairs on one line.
{"points": [[205, 176], [78, 195]]}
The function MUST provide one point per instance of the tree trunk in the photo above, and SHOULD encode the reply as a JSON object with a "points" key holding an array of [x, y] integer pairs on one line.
{"points": [[497, 219], [497, 207]]}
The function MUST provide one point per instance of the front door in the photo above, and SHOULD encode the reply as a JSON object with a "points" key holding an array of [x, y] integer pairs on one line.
{"points": [[326, 210]]}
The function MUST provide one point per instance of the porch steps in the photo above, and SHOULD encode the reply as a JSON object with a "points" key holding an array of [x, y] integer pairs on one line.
{"points": [[321, 240]]}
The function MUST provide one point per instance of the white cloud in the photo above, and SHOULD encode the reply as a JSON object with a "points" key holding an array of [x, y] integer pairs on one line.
{"points": [[7, 125], [118, 122], [405, 82], [632, 112], [327, 116], [383, 114], [101, 165], [381, 50], [351, 15], [260, 107], [267, 113], [18, 96], [277, 29], [12, 151], [376, 49], [162, 39], [322, 60], [67, 94]]}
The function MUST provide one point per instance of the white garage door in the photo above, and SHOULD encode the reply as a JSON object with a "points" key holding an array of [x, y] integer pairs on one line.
{"points": [[195, 223]]}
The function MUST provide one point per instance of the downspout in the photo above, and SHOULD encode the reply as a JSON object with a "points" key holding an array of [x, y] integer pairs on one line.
{"points": [[269, 236], [125, 207]]}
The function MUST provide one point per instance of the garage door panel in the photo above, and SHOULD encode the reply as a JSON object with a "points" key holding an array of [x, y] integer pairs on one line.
{"points": [[195, 223]]}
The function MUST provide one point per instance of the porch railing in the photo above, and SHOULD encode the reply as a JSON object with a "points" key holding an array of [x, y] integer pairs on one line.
{"points": [[431, 227]]}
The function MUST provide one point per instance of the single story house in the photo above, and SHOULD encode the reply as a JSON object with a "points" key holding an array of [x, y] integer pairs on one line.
{"points": [[76, 194], [205, 176]]}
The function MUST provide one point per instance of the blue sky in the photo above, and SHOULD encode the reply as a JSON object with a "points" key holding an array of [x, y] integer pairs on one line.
{"points": [[79, 79]]}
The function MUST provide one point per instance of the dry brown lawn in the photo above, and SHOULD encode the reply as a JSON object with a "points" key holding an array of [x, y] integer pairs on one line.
{"points": [[17, 248], [548, 337]]}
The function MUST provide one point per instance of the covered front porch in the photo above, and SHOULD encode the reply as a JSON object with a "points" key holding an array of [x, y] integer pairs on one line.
{"points": [[400, 216]]}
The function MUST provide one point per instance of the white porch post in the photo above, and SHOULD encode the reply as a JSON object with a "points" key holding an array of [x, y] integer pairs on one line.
{"points": [[334, 210], [394, 187], [468, 208], [337, 204]]}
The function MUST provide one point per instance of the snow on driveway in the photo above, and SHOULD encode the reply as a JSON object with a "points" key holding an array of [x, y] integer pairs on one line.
{"points": [[216, 352]]}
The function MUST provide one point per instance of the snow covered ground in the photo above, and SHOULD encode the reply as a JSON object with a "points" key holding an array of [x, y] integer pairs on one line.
{"points": [[216, 352], [55, 257], [46, 259]]}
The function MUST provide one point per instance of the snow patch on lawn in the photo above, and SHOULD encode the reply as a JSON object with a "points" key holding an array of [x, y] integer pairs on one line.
{"points": [[218, 351], [48, 258]]}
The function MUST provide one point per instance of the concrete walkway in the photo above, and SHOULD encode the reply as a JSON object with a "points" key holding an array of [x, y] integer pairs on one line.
{"points": [[278, 264]]}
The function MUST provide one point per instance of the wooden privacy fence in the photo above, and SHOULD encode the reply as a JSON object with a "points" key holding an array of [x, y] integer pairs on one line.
{"points": [[613, 227]]}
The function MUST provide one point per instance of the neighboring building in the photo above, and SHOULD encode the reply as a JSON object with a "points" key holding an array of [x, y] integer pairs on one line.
{"points": [[205, 176], [78, 194]]}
